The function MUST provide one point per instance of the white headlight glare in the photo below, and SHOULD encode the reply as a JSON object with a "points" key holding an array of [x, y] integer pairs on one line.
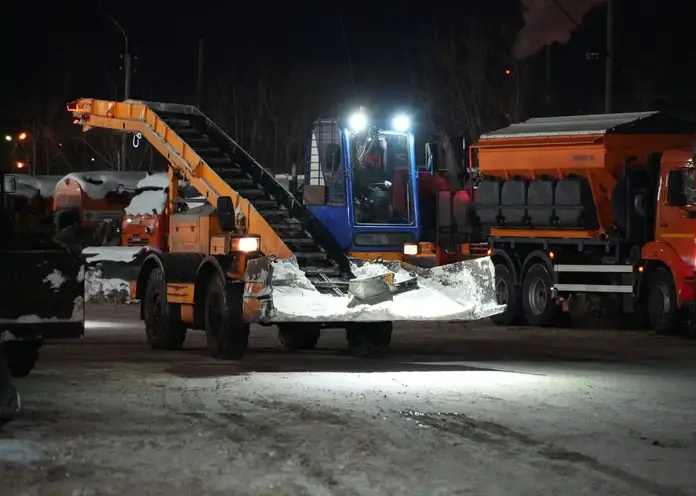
{"points": [[357, 122], [401, 123]]}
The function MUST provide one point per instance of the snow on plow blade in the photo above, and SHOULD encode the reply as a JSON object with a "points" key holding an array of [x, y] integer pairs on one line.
{"points": [[381, 291], [42, 293]]}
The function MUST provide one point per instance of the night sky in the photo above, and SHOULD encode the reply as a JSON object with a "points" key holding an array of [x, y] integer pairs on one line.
{"points": [[58, 51]]}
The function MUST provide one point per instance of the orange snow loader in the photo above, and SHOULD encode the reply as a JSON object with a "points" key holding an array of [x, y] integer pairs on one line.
{"points": [[255, 254], [596, 210]]}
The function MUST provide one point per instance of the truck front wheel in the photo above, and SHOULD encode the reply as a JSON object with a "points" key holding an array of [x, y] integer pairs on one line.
{"points": [[662, 302], [163, 325], [226, 332], [539, 307], [507, 293]]}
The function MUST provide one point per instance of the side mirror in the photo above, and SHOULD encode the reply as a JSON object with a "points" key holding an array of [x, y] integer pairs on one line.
{"points": [[10, 185], [676, 191], [431, 157], [225, 212]]}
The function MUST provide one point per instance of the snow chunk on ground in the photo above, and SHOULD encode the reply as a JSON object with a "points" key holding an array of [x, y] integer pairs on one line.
{"points": [[55, 278], [96, 184], [123, 254], [148, 202], [156, 180]]}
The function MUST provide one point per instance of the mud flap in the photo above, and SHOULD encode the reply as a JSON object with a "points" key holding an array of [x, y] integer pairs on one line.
{"points": [[380, 291], [45, 297]]}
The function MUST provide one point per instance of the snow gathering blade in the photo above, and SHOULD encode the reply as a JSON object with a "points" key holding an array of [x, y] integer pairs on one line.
{"points": [[380, 291]]}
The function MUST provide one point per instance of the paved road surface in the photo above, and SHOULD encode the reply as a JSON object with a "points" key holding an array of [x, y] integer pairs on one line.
{"points": [[456, 409]]}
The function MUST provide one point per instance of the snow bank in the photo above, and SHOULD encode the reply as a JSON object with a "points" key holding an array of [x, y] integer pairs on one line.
{"points": [[30, 186], [96, 184], [123, 254]]}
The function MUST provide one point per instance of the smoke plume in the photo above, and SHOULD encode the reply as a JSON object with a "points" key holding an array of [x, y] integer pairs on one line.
{"points": [[546, 23]]}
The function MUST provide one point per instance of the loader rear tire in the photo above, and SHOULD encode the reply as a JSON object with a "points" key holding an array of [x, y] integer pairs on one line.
{"points": [[163, 325], [295, 337], [21, 356], [369, 340], [507, 293], [226, 332]]}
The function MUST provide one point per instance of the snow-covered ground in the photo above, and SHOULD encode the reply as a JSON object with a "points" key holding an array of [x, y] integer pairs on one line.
{"points": [[470, 410]]}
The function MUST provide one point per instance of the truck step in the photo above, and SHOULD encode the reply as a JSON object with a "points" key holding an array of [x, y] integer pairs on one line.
{"points": [[215, 162]]}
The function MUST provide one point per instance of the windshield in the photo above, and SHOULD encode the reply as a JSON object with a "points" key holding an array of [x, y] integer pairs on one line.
{"points": [[380, 164]]}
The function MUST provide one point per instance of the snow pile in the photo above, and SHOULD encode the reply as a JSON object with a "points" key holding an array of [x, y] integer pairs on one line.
{"points": [[96, 184], [30, 186], [156, 180], [100, 290], [148, 202], [124, 254], [462, 294]]}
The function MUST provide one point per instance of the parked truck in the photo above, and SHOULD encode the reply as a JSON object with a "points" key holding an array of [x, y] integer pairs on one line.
{"points": [[257, 254], [42, 295], [600, 208]]}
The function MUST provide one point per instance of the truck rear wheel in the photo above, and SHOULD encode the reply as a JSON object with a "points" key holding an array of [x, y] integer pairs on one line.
{"points": [[507, 294], [21, 356], [369, 339], [163, 325], [226, 332], [298, 336], [539, 307], [662, 302]]}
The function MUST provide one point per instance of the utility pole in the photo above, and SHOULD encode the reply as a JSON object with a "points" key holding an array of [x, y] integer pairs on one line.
{"points": [[199, 81], [609, 76], [126, 86]]}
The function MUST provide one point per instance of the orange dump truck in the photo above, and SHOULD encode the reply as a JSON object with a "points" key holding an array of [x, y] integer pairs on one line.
{"points": [[598, 206]]}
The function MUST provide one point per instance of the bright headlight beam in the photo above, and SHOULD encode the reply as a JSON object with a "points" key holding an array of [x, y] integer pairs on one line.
{"points": [[358, 122], [401, 123]]}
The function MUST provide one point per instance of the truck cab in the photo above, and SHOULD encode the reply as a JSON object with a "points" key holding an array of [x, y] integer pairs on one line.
{"points": [[361, 183]]}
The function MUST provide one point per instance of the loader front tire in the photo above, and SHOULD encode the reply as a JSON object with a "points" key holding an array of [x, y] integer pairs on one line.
{"points": [[163, 325], [226, 332], [369, 340], [295, 337]]}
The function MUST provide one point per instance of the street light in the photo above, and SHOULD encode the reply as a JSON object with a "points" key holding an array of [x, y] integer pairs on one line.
{"points": [[22, 136], [8, 137], [127, 83], [20, 165]]}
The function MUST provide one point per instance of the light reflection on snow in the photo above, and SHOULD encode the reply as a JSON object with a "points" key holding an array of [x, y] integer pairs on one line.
{"points": [[106, 324]]}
